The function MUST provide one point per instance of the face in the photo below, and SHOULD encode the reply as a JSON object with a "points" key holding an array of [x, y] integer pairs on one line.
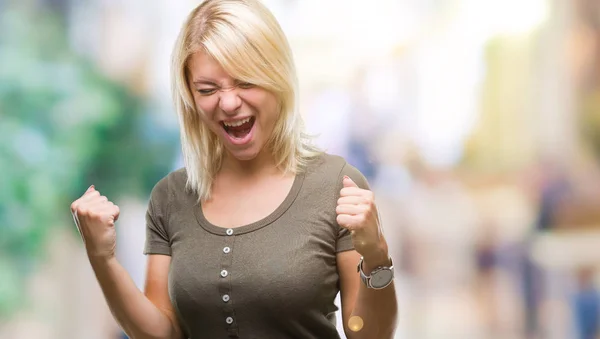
{"points": [[242, 115]]}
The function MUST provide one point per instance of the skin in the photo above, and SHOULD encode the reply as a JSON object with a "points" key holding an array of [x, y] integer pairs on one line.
{"points": [[246, 168], [219, 98]]}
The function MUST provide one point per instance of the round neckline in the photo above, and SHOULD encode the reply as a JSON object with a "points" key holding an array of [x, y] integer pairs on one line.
{"points": [[278, 212]]}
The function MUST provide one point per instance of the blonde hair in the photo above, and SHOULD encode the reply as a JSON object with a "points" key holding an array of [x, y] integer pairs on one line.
{"points": [[247, 41]]}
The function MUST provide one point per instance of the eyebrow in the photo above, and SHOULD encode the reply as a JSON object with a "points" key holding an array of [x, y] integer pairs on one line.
{"points": [[204, 82]]}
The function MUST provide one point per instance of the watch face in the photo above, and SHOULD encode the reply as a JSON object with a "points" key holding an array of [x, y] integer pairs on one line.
{"points": [[381, 278]]}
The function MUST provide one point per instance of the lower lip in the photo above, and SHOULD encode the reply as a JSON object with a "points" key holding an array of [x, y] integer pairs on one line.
{"points": [[240, 141]]}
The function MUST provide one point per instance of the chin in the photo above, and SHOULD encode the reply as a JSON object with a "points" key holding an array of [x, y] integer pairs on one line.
{"points": [[244, 155]]}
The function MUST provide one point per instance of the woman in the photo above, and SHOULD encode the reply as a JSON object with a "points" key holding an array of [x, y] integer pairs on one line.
{"points": [[259, 232]]}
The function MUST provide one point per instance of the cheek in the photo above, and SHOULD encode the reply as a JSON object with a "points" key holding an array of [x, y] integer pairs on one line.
{"points": [[268, 105], [206, 118], [205, 110]]}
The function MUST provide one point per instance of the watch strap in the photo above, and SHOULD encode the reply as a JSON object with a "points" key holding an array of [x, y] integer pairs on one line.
{"points": [[366, 279]]}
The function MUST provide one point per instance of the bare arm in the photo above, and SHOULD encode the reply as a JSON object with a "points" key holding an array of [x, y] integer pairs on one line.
{"points": [[141, 316], [148, 316], [377, 309]]}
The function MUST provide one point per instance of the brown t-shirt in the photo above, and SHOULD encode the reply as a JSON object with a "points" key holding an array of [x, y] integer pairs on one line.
{"points": [[275, 278]]}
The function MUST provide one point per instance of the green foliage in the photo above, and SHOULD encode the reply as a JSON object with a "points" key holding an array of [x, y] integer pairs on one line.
{"points": [[63, 126]]}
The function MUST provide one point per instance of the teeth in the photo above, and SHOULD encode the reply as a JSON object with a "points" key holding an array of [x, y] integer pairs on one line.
{"points": [[236, 123]]}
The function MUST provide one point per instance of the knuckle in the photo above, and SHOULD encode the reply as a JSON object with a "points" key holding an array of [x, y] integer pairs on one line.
{"points": [[82, 211], [371, 205], [88, 212], [95, 215], [74, 206]]}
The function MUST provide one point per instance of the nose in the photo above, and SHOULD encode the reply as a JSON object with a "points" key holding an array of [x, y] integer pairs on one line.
{"points": [[229, 101]]}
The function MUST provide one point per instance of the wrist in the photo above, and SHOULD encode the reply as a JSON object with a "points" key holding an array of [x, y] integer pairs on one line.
{"points": [[374, 260], [101, 260]]}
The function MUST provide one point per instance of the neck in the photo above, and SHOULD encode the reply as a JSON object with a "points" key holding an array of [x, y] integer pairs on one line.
{"points": [[262, 164]]}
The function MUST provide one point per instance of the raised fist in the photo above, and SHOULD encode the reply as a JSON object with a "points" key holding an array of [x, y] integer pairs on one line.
{"points": [[95, 218]]}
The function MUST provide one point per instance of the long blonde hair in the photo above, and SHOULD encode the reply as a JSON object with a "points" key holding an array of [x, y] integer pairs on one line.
{"points": [[247, 41]]}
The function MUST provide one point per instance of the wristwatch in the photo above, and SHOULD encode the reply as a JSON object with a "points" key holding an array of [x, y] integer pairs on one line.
{"points": [[380, 277]]}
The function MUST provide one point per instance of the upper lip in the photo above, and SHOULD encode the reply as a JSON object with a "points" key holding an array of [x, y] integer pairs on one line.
{"points": [[235, 119]]}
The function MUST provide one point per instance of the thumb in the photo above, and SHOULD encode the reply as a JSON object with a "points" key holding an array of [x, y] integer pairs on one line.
{"points": [[90, 189], [348, 182]]}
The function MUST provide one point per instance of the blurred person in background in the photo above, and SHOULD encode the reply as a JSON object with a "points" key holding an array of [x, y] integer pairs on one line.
{"points": [[586, 304], [260, 230], [553, 191], [486, 276]]}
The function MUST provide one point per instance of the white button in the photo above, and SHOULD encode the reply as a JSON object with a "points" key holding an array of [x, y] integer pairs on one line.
{"points": [[229, 231], [225, 297], [224, 273], [229, 320], [226, 250]]}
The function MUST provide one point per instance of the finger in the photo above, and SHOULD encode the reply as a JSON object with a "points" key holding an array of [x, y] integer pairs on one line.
{"points": [[350, 222], [87, 197], [116, 212], [92, 198], [347, 182], [89, 191], [352, 200], [97, 209], [74, 206], [78, 201], [109, 209], [89, 210], [104, 213], [110, 219], [350, 209], [350, 191], [98, 201]]}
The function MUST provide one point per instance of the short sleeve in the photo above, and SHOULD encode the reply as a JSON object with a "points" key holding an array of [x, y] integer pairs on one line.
{"points": [[157, 238], [344, 239]]}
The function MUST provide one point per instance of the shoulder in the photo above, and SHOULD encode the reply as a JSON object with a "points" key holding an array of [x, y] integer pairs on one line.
{"points": [[326, 164], [330, 168], [172, 182]]}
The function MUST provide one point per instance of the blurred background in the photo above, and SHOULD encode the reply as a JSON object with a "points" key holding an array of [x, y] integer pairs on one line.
{"points": [[477, 123]]}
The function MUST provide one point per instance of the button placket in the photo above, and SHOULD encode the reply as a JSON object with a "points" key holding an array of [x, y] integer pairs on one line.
{"points": [[225, 276]]}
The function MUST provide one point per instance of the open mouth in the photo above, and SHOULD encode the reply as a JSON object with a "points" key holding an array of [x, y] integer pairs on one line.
{"points": [[239, 129]]}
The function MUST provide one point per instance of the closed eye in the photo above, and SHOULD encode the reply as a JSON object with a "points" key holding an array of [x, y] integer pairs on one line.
{"points": [[245, 85], [206, 91]]}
